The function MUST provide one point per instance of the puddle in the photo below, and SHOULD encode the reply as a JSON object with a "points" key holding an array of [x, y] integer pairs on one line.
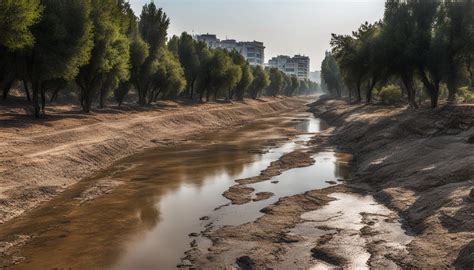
{"points": [[346, 229], [292, 182]]}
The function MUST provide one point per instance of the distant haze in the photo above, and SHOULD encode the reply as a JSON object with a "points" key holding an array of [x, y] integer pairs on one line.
{"points": [[285, 26]]}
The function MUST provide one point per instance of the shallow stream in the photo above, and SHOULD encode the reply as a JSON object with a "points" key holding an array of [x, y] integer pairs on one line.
{"points": [[151, 202]]}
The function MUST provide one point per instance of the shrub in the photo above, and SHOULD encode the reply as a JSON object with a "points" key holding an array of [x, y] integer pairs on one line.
{"points": [[390, 94], [465, 95]]}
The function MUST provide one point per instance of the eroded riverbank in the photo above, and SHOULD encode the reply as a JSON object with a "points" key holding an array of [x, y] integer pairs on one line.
{"points": [[419, 164], [39, 159], [138, 213], [164, 208]]}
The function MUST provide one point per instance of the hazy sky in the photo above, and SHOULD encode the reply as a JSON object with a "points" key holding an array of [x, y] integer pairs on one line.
{"points": [[285, 26]]}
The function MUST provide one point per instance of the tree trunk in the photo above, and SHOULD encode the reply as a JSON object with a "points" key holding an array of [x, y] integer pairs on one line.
{"points": [[408, 81], [368, 95], [102, 97], [27, 91], [192, 89], [452, 83], [35, 100], [43, 99], [54, 97], [359, 95], [201, 95], [86, 103], [6, 88]]}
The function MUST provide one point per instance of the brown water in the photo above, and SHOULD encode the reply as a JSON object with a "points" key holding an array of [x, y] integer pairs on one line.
{"points": [[160, 196]]}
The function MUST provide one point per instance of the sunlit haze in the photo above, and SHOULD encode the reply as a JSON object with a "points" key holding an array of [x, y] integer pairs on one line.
{"points": [[286, 27]]}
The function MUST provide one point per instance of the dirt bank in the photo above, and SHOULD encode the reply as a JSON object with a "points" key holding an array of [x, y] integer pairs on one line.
{"points": [[39, 159], [420, 164]]}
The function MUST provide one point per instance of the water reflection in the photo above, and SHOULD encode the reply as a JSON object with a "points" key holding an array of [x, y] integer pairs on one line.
{"points": [[144, 223]]}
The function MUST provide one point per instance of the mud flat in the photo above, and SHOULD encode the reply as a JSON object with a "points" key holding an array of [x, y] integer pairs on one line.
{"points": [[419, 164], [40, 159]]}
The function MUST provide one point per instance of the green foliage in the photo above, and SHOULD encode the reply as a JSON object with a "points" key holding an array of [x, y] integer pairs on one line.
{"points": [[245, 82], [277, 82], [153, 27], [260, 82], [427, 40], [464, 94], [16, 19], [110, 58], [331, 76], [390, 94], [63, 44], [169, 76]]}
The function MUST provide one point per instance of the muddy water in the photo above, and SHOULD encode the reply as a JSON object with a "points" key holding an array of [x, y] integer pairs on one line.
{"points": [[138, 213]]}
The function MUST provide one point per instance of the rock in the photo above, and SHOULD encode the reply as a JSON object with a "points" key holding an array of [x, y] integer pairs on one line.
{"points": [[470, 140], [245, 263], [193, 243], [471, 195], [185, 263], [275, 182], [204, 218], [260, 196], [193, 234], [331, 182], [465, 259]]}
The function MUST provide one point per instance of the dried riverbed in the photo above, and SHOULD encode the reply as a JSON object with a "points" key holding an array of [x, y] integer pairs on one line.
{"points": [[164, 208]]}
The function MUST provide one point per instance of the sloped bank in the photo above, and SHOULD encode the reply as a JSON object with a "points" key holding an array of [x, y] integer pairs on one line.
{"points": [[420, 164], [39, 161]]}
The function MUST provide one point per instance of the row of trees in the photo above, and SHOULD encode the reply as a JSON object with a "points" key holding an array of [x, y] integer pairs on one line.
{"points": [[430, 42], [96, 48]]}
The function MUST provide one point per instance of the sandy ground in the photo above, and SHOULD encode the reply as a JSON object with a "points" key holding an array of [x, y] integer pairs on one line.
{"points": [[418, 164], [41, 158]]}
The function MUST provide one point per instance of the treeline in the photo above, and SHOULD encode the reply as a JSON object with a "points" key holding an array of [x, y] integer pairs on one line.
{"points": [[426, 47], [95, 49]]}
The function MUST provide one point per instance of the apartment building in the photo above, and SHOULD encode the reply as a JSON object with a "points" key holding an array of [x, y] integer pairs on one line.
{"points": [[252, 51], [297, 65]]}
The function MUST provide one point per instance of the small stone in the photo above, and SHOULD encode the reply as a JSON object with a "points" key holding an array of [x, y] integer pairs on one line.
{"points": [[193, 234], [204, 218], [185, 263], [471, 195], [331, 182], [275, 182]]}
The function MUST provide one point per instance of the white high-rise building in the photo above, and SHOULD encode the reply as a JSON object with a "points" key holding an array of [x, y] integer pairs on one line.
{"points": [[252, 51], [297, 66]]}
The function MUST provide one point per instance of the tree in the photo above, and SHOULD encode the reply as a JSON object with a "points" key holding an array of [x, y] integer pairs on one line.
{"points": [[245, 82], [260, 82], [63, 44], [430, 47], [223, 73], [186, 48], [331, 75], [16, 19], [109, 62], [169, 78], [295, 85], [458, 30], [153, 27], [398, 35], [277, 82]]}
